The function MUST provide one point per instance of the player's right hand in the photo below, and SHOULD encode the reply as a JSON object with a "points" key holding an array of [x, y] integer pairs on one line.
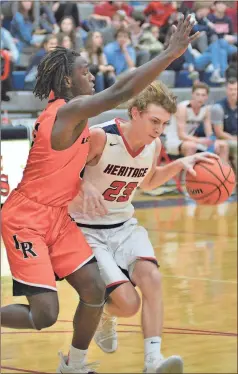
{"points": [[92, 201], [180, 38]]}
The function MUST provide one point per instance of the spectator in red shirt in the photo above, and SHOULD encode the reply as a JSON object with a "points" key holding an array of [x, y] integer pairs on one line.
{"points": [[106, 10], [159, 12]]}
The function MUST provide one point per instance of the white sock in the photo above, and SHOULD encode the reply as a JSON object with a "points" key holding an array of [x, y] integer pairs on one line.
{"points": [[77, 357], [152, 349]]}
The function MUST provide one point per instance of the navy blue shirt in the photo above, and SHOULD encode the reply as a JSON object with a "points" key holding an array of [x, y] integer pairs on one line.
{"points": [[223, 25], [222, 114]]}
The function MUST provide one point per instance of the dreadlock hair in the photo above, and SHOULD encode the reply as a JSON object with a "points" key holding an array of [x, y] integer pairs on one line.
{"points": [[52, 72]]}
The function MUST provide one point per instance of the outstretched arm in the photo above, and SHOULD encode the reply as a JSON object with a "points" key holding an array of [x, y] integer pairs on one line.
{"points": [[132, 83], [162, 174]]}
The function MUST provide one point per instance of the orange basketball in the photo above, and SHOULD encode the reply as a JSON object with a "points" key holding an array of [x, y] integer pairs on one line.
{"points": [[213, 183]]}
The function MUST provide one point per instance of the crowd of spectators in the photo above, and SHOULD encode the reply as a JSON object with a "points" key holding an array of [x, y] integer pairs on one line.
{"points": [[118, 36]]}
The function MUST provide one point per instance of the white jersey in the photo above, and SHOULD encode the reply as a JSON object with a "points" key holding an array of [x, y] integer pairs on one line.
{"points": [[193, 120], [117, 175]]}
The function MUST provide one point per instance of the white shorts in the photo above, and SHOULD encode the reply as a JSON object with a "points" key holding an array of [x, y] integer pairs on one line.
{"points": [[118, 249]]}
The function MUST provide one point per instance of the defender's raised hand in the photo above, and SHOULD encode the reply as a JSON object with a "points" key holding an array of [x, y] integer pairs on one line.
{"points": [[180, 38]]}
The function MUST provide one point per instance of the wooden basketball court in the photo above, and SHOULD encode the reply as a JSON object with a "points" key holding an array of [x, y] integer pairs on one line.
{"points": [[197, 250]]}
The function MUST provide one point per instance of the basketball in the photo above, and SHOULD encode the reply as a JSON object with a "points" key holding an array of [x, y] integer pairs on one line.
{"points": [[213, 183]]}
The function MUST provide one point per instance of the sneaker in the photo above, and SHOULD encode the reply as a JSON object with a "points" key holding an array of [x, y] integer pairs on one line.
{"points": [[66, 369], [106, 335], [216, 77], [172, 364]]}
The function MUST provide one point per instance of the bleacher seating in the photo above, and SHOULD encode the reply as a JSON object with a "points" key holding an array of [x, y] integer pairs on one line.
{"points": [[18, 78], [85, 10], [24, 101]]}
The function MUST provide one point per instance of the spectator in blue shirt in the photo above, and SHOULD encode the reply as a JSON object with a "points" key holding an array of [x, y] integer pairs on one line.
{"points": [[22, 26], [120, 54]]}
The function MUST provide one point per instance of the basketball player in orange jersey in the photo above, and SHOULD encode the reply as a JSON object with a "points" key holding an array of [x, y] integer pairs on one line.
{"points": [[40, 238], [123, 156]]}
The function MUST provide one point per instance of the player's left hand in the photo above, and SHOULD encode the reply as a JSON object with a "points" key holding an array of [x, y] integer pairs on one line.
{"points": [[92, 202], [189, 161]]}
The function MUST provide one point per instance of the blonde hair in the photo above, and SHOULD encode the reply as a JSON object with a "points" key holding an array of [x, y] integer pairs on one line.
{"points": [[156, 93]]}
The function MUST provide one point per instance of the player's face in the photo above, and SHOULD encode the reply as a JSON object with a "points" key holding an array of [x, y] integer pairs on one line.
{"points": [[200, 96], [83, 80], [231, 90], [150, 123]]}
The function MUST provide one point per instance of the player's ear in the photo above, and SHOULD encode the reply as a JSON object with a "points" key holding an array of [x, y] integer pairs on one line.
{"points": [[135, 113], [68, 82]]}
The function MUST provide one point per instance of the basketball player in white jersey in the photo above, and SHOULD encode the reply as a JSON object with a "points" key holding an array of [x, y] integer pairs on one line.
{"points": [[122, 157], [194, 125]]}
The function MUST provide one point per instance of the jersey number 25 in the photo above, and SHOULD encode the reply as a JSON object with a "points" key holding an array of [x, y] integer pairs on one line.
{"points": [[111, 194]]}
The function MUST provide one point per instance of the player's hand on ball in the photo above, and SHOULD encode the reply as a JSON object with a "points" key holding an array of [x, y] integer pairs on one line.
{"points": [[189, 161], [180, 38]]}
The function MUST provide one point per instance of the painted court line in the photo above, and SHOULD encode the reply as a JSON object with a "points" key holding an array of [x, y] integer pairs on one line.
{"points": [[169, 328], [175, 332], [23, 370], [201, 279]]}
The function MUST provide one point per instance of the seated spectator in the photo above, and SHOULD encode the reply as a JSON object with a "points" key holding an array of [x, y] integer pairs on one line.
{"points": [[66, 9], [65, 41], [137, 32], [104, 11], [159, 12], [203, 25], [47, 19], [118, 22], [93, 54], [224, 118], [22, 27], [194, 127], [120, 54], [216, 54], [149, 41], [48, 45], [8, 45], [222, 23], [67, 26]]}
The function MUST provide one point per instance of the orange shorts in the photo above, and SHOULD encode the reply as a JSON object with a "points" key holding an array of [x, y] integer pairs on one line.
{"points": [[42, 242]]}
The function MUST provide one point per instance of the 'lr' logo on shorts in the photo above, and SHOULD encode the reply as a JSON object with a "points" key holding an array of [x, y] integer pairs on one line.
{"points": [[25, 247]]}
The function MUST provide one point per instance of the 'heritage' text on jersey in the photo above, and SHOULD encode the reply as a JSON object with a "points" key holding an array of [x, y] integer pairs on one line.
{"points": [[125, 171]]}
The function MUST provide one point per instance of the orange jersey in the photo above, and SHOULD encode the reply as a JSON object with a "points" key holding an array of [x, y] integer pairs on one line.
{"points": [[53, 177]]}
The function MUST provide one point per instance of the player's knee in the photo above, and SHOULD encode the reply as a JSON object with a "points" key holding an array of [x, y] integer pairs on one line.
{"points": [[45, 318], [131, 306], [151, 281], [94, 292]]}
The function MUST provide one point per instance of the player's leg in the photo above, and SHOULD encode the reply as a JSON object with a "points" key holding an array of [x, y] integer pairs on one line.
{"points": [[143, 271], [148, 278], [41, 312], [33, 277], [122, 298], [72, 258], [222, 149]]}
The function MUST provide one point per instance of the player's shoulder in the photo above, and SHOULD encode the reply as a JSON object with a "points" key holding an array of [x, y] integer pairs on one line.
{"points": [[109, 127], [184, 105]]}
